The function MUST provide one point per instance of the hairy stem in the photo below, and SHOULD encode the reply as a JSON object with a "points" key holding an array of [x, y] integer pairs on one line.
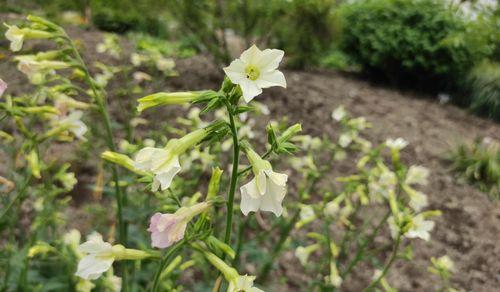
{"points": [[387, 265]]}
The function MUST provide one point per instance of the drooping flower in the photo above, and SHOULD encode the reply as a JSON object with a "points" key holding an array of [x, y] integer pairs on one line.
{"points": [[164, 162], [167, 229], [396, 144], [255, 70], [266, 190], [3, 87], [17, 35], [98, 256]]}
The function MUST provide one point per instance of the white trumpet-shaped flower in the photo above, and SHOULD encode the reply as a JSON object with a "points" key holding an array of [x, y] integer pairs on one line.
{"points": [[255, 70], [417, 175], [17, 35], [98, 256], [164, 162], [266, 190]]}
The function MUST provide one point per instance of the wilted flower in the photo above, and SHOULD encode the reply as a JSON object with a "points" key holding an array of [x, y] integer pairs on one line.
{"points": [[3, 87], [266, 190], [166, 229], [164, 162], [255, 70], [396, 144], [98, 256], [17, 35], [417, 175]]}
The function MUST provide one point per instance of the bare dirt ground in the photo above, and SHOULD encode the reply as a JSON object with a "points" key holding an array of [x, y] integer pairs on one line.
{"points": [[469, 229]]}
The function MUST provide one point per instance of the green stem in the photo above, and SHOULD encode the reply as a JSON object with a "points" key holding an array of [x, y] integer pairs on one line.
{"points": [[18, 196], [164, 263], [234, 175], [361, 250], [101, 103], [387, 265]]}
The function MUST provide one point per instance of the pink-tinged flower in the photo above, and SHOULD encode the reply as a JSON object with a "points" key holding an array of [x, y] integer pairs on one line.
{"points": [[167, 229], [3, 86]]}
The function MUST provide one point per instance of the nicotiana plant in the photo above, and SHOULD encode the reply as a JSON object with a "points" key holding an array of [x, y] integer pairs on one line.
{"points": [[171, 216]]}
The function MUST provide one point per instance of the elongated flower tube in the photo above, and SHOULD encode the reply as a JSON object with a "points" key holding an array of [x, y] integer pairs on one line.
{"points": [[17, 35], [167, 229], [164, 162], [32, 67], [237, 283], [255, 70], [98, 257], [3, 87], [266, 190], [166, 98]]}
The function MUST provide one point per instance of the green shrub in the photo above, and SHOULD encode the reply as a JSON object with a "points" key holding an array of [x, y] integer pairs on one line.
{"points": [[484, 87], [306, 31], [412, 42], [479, 164]]}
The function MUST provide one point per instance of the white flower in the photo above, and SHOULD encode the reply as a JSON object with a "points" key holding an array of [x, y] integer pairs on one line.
{"points": [[418, 200], [159, 161], [164, 162], [30, 67], [303, 253], [3, 87], [332, 208], [243, 283], [339, 113], [16, 37], [72, 123], [255, 70], [345, 139], [98, 258], [266, 190], [417, 175], [419, 228], [396, 144]]}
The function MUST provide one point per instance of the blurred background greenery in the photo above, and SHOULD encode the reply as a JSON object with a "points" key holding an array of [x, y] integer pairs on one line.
{"points": [[433, 46]]}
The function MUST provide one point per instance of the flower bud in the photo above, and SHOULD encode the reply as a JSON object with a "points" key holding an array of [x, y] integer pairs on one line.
{"points": [[164, 98]]}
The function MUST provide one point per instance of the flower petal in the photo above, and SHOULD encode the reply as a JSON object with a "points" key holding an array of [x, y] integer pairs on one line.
{"points": [[91, 267], [250, 89], [271, 201], [269, 60], [236, 71], [273, 78], [251, 55], [166, 177], [251, 189], [248, 202], [277, 178], [260, 182]]}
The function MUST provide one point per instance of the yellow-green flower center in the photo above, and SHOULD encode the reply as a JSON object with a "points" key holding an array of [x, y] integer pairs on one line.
{"points": [[252, 72]]}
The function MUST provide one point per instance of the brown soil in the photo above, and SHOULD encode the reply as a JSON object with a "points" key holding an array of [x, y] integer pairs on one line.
{"points": [[469, 229]]}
